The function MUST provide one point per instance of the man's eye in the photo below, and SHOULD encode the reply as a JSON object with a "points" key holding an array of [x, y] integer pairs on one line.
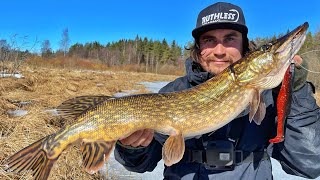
{"points": [[208, 40], [228, 39]]}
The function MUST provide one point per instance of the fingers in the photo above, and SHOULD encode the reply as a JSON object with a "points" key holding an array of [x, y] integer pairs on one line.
{"points": [[139, 138], [131, 138], [144, 140], [297, 59], [205, 53]]}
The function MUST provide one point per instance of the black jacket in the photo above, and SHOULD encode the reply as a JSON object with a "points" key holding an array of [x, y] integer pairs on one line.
{"points": [[299, 154]]}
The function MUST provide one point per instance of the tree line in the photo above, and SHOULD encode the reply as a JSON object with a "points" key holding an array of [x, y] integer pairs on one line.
{"points": [[127, 52], [139, 51], [150, 53]]}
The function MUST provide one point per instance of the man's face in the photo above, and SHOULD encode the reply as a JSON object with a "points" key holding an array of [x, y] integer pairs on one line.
{"points": [[219, 48]]}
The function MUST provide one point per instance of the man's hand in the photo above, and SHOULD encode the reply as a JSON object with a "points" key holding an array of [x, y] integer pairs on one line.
{"points": [[300, 74], [297, 60], [139, 138]]}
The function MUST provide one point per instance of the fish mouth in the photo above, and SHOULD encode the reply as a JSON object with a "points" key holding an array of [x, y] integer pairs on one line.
{"points": [[287, 46], [284, 48]]}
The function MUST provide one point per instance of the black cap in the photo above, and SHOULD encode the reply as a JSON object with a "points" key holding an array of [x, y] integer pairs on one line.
{"points": [[220, 15]]}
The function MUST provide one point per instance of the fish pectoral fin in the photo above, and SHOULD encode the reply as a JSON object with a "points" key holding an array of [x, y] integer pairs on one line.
{"points": [[257, 108], [173, 149], [94, 154], [261, 112], [254, 104], [73, 108], [32, 158]]}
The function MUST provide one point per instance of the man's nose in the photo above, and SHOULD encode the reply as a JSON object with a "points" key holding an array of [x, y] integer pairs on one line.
{"points": [[219, 49]]}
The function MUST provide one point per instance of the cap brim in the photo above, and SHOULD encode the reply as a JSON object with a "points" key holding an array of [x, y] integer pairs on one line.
{"points": [[238, 27]]}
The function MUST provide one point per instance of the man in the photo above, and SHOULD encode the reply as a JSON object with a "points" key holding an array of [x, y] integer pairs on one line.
{"points": [[221, 39]]}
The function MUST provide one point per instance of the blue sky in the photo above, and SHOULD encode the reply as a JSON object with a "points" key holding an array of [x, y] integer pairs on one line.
{"points": [[107, 21]]}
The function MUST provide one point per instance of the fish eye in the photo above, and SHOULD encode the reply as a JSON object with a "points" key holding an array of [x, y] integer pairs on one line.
{"points": [[266, 47]]}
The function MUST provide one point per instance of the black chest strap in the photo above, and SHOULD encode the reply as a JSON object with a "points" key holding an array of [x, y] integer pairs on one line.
{"points": [[231, 132]]}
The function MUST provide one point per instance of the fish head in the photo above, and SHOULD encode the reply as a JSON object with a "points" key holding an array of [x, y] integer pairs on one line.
{"points": [[284, 48], [264, 68]]}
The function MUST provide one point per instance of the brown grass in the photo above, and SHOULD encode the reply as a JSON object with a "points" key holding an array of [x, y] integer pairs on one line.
{"points": [[313, 68], [78, 63], [46, 88], [62, 62], [317, 97]]}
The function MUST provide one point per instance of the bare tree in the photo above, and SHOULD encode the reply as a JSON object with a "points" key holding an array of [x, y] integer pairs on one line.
{"points": [[12, 55], [64, 43], [46, 50]]}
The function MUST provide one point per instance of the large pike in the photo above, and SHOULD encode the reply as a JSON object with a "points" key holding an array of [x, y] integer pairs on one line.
{"points": [[99, 121]]}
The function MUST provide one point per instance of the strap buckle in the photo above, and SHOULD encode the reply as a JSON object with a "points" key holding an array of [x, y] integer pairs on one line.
{"points": [[197, 156], [238, 156], [220, 155]]}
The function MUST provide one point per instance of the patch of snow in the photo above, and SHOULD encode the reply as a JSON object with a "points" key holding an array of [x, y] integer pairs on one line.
{"points": [[17, 113], [24, 103], [15, 75], [124, 93], [154, 86]]}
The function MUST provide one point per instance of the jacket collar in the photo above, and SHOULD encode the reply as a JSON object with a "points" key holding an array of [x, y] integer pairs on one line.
{"points": [[195, 73]]}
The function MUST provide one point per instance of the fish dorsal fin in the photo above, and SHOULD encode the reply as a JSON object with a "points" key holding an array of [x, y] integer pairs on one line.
{"points": [[173, 149], [73, 108], [257, 108], [94, 154]]}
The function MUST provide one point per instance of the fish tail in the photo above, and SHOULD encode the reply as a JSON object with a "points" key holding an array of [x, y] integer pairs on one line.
{"points": [[32, 158]]}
